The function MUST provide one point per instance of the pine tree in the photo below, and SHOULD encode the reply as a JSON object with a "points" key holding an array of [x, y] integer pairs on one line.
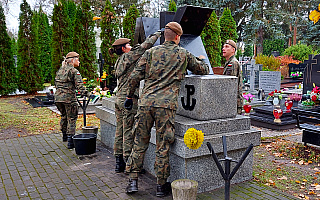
{"points": [[62, 33], [84, 40], [129, 23], [7, 68], [172, 6], [228, 28], [109, 33], [45, 47], [29, 72], [211, 39]]}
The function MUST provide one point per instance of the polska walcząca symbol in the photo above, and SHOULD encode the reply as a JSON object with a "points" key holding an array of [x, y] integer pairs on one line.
{"points": [[189, 105]]}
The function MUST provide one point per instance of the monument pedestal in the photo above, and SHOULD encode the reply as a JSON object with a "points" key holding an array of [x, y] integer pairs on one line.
{"points": [[214, 113]]}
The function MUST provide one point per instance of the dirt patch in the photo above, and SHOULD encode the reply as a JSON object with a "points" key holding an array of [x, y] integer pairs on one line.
{"points": [[12, 132]]}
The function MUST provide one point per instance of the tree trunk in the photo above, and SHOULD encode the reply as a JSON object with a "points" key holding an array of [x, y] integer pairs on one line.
{"points": [[184, 189], [260, 41], [289, 43]]}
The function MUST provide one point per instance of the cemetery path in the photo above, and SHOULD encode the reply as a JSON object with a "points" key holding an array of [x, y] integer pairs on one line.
{"points": [[38, 165]]}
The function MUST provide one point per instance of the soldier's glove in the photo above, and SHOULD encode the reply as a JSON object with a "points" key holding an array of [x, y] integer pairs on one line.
{"points": [[161, 31], [128, 103]]}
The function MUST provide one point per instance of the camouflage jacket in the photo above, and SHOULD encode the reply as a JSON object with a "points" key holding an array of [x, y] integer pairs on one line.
{"points": [[67, 81], [232, 68], [163, 67], [126, 62]]}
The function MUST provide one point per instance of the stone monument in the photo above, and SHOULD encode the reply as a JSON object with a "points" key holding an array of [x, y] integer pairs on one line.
{"points": [[206, 103]]}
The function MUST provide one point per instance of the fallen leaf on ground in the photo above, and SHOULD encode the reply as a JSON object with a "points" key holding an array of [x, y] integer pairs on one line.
{"points": [[301, 162], [298, 182], [283, 178]]}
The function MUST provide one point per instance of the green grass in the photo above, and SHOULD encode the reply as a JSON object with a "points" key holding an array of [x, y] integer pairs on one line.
{"points": [[17, 113]]}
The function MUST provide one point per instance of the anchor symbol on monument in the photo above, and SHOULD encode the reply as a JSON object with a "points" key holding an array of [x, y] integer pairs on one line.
{"points": [[189, 105]]}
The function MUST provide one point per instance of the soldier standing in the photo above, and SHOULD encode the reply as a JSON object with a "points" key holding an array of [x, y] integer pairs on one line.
{"points": [[125, 118], [67, 81], [232, 68], [162, 67]]}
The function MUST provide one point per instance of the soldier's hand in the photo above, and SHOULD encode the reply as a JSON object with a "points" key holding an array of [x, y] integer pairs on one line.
{"points": [[201, 57], [128, 103]]}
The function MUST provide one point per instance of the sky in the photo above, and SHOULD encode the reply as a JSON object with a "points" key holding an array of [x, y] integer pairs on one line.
{"points": [[12, 14]]}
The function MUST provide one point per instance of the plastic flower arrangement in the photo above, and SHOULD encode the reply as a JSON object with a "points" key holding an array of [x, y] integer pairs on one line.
{"points": [[99, 92], [308, 103], [248, 97], [295, 74], [315, 93], [295, 97], [275, 93], [193, 138]]}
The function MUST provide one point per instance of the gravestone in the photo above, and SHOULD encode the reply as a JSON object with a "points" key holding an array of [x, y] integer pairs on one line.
{"points": [[269, 81], [198, 164], [207, 103], [297, 68], [251, 74], [311, 73]]}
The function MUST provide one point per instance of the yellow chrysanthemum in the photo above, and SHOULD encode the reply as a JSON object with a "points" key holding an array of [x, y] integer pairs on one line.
{"points": [[96, 18], [314, 16], [193, 138], [103, 76], [84, 79]]}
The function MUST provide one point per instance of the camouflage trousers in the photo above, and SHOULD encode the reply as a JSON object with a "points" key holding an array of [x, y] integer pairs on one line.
{"points": [[69, 116], [123, 140], [164, 124]]}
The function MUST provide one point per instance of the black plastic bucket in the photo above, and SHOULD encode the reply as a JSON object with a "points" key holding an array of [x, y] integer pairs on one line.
{"points": [[85, 144]]}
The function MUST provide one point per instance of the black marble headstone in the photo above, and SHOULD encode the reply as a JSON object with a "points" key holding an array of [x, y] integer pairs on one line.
{"points": [[297, 67], [311, 73]]}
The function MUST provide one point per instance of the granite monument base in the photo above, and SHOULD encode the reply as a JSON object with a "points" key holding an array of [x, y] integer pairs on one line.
{"points": [[197, 164]]}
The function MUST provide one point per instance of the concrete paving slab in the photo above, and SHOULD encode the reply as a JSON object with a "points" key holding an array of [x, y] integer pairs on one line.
{"points": [[41, 167]]}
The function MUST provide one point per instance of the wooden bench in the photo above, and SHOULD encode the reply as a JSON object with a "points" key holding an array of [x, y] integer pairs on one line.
{"points": [[307, 120]]}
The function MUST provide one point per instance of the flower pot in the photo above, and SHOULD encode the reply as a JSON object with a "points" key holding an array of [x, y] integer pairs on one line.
{"points": [[247, 108], [85, 144], [218, 70]]}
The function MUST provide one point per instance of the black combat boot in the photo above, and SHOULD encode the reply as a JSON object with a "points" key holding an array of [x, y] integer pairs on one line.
{"points": [[120, 164], [70, 142], [163, 190], [132, 186], [64, 137]]}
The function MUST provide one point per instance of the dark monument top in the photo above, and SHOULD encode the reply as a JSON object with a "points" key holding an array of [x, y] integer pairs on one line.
{"points": [[311, 73], [192, 18], [145, 26]]}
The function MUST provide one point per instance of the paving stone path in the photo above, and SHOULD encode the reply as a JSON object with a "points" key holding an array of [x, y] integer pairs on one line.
{"points": [[41, 167]]}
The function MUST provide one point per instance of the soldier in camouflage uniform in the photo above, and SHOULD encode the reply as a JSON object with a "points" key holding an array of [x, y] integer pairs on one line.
{"points": [[162, 67], [125, 118], [67, 81], [232, 68]]}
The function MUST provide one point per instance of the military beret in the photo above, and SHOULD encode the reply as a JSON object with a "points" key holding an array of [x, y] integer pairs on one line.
{"points": [[72, 54], [175, 27], [121, 41], [232, 43]]}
